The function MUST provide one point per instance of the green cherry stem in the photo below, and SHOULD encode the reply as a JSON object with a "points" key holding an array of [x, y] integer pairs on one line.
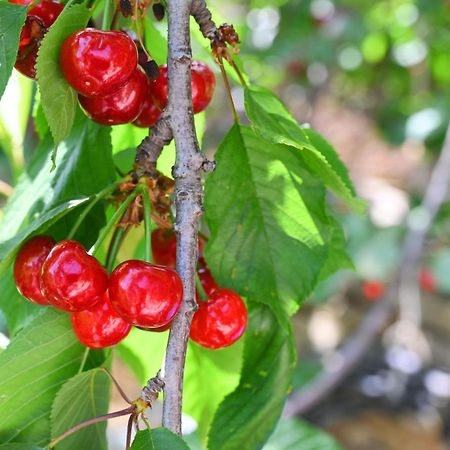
{"points": [[199, 286], [228, 90], [114, 246], [106, 22], [84, 359], [95, 199], [147, 224], [112, 222]]}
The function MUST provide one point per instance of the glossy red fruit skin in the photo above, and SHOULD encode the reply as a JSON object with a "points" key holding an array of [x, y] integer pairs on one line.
{"points": [[203, 84], [158, 329], [164, 247], [100, 326], [20, 2], [39, 18], [145, 295], [373, 290], [71, 279], [28, 266], [122, 106], [150, 112], [47, 10], [220, 321], [97, 63]]}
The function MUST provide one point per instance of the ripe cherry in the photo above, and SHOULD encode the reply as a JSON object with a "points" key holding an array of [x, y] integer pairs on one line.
{"points": [[39, 18], [122, 106], [99, 326], [427, 280], [164, 247], [47, 10], [97, 63], [158, 329], [145, 295], [150, 112], [28, 266], [220, 321], [203, 84], [71, 279], [373, 290]]}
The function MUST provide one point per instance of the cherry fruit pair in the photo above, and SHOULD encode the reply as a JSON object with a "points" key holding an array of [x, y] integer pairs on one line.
{"points": [[221, 319], [39, 19], [103, 309]]}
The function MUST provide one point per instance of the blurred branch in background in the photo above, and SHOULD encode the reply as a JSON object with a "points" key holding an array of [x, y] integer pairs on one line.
{"points": [[403, 289]]}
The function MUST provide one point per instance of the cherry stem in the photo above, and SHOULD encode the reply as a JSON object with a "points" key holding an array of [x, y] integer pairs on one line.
{"points": [[129, 429], [239, 73], [94, 420], [84, 359], [147, 224], [95, 199], [68, 4], [116, 383], [200, 288], [106, 23], [228, 89], [111, 223], [114, 246]]}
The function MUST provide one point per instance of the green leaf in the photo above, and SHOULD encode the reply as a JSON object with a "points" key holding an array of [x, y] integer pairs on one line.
{"points": [[12, 18], [209, 376], [300, 435], [20, 446], [85, 167], [134, 350], [8, 248], [59, 100], [246, 417], [32, 369], [158, 439], [83, 397], [268, 222], [274, 123]]}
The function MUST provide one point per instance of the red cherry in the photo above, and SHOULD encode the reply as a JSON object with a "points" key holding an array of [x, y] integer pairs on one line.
{"points": [[203, 84], [150, 112], [122, 106], [207, 280], [39, 18], [97, 63], [164, 247], [158, 329], [373, 290], [99, 326], [28, 266], [220, 321], [71, 279], [427, 280], [47, 10], [145, 295]]}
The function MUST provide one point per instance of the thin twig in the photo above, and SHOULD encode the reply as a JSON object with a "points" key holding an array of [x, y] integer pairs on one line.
{"points": [[352, 352], [188, 201], [150, 148]]}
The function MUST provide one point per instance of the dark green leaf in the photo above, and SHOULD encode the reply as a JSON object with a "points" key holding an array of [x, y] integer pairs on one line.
{"points": [[201, 396], [268, 222], [300, 435], [83, 397], [246, 417], [9, 247], [274, 122], [158, 439], [59, 100], [32, 369], [12, 18]]}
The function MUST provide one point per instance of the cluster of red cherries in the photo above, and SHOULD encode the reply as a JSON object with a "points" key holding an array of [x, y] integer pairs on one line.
{"points": [[106, 70], [103, 308]]}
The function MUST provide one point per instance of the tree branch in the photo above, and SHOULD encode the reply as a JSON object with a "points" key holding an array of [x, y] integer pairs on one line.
{"points": [[188, 201], [352, 352], [150, 148], [203, 17]]}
